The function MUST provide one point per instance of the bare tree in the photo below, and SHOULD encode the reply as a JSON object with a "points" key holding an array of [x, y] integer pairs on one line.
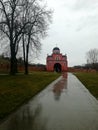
{"points": [[40, 19], [10, 27], [22, 19], [92, 56]]}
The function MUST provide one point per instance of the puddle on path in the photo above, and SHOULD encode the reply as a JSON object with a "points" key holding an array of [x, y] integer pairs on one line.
{"points": [[64, 105]]}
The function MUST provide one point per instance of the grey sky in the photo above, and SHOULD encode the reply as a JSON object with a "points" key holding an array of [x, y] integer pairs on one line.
{"points": [[74, 30]]}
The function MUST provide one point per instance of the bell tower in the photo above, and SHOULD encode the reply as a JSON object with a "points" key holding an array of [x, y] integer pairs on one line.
{"points": [[56, 61]]}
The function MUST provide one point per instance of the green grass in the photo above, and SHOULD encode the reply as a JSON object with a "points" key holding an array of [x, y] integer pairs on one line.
{"points": [[15, 90], [90, 80]]}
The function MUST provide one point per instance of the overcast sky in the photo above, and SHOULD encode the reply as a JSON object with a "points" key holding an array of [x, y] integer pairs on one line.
{"points": [[74, 30]]}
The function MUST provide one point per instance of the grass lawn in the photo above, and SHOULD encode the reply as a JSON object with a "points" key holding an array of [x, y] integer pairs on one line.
{"points": [[15, 90], [90, 80]]}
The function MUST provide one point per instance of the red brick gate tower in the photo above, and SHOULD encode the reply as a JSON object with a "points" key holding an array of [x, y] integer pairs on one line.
{"points": [[56, 62]]}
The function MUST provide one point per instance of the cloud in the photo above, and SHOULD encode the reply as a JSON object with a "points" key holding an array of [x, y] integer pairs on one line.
{"points": [[86, 4], [74, 29], [90, 22]]}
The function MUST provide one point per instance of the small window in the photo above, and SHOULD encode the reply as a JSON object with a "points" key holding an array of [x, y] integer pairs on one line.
{"points": [[57, 58]]}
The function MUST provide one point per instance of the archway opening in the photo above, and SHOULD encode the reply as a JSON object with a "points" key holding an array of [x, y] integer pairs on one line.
{"points": [[57, 67]]}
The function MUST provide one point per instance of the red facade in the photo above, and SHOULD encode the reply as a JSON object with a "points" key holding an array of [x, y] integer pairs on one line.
{"points": [[56, 62]]}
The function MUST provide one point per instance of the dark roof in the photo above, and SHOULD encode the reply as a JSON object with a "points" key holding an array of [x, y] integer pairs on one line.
{"points": [[49, 56], [56, 48]]}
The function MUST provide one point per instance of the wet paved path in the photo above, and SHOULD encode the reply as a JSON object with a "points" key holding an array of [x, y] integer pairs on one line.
{"points": [[64, 105]]}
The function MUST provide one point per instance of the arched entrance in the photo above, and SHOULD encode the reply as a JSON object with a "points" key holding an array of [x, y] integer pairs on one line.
{"points": [[57, 67]]}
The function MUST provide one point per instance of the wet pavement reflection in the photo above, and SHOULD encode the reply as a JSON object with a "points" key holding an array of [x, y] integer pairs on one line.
{"points": [[64, 105]]}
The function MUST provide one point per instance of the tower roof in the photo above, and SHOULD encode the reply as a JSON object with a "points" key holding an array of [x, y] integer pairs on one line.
{"points": [[56, 48]]}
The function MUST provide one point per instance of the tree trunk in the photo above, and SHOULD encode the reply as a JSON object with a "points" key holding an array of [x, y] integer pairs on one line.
{"points": [[13, 61], [13, 66], [24, 56], [26, 68], [26, 62]]}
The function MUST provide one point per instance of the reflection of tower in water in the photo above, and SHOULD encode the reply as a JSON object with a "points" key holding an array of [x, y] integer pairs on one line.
{"points": [[60, 86]]}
